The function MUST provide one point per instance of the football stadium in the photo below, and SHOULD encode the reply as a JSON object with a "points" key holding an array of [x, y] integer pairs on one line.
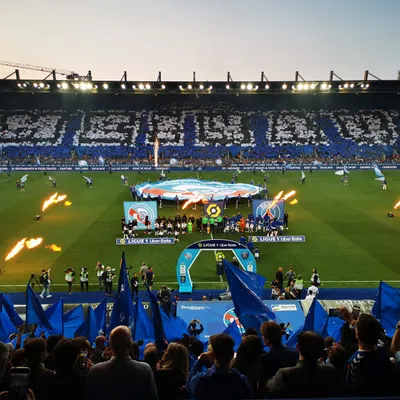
{"points": [[193, 239]]}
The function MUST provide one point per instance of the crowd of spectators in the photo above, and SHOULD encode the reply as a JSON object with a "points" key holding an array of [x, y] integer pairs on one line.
{"points": [[364, 362]]}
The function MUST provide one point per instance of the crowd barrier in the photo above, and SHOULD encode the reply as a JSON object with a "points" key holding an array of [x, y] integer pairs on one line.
{"points": [[233, 167]]}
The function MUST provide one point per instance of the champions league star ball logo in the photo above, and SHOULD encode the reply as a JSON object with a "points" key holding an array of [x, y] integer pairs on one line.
{"points": [[230, 316], [140, 212], [273, 212]]}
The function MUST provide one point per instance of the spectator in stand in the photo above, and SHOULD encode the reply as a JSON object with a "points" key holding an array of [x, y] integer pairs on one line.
{"points": [[369, 371], [310, 295], [121, 376], [150, 356], [247, 360], [100, 343], [278, 356], [337, 356], [35, 351], [279, 278], [220, 380], [172, 373], [18, 358], [4, 350], [67, 382], [49, 361], [308, 378]]}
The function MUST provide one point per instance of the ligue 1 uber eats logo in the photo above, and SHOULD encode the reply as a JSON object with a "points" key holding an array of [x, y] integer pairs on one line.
{"points": [[213, 210], [140, 213], [273, 212]]}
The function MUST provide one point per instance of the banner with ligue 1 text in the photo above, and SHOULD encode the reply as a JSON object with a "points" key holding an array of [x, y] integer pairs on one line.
{"points": [[263, 207], [139, 210]]}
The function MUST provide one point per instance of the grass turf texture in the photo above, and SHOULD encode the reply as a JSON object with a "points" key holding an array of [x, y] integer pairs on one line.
{"points": [[349, 236]]}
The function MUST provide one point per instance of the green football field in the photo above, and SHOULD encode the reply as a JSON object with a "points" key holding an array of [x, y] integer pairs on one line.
{"points": [[349, 237]]}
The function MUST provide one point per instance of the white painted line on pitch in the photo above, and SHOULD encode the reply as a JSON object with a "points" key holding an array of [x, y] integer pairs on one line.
{"points": [[4, 181], [215, 252], [198, 176]]}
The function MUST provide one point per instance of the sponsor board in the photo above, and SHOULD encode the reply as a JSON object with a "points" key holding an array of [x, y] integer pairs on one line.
{"points": [[277, 239], [135, 241], [283, 307]]}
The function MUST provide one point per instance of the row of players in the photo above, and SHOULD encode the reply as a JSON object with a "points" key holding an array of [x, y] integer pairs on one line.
{"points": [[205, 224]]}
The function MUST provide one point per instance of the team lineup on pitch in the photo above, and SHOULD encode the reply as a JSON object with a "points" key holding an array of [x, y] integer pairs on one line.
{"points": [[81, 224]]}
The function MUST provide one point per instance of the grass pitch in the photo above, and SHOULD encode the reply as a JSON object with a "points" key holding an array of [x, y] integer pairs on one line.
{"points": [[349, 237]]}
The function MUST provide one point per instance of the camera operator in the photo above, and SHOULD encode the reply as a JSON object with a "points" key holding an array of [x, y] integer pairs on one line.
{"points": [[99, 272], [108, 277], [164, 295], [69, 278], [192, 328], [84, 278], [135, 285], [45, 281]]}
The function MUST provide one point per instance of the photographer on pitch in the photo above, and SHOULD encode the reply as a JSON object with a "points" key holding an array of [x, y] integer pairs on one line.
{"points": [[164, 296], [44, 280], [135, 285], [69, 278], [108, 277], [84, 278]]}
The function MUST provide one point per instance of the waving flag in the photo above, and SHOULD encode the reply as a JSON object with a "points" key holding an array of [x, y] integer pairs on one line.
{"points": [[303, 176], [174, 327], [54, 315], [141, 327], [100, 313], [83, 163], [254, 281], [37, 161], [387, 307], [73, 319], [249, 308], [24, 178], [233, 331], [6, 326], [157, 322], [8, 306], [34, 311], [88, 328], [101, 160], [378, 174]]}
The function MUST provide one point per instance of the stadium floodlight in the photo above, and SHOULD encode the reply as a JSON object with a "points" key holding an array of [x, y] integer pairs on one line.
{"points": [[76, 85], [105, 86], [300, 86], [210, 87], [58, 85], [267, 87], [367, 86], [19, 85], [352, 85], [306, 86], [123, 86], [346, 85], [48, 86], [242, 86], [35, 85], [329, 86], [162, 87], [201, 87], [256, 87], [24, 85], [64, 85], [312, 86], [189, 87], [324, 86], [249, 86], [84, 86], [89, 86], [227, 86], [133, 87], [141, 86], [148, 87], [41, 85], [180, 87], [284, 86]]}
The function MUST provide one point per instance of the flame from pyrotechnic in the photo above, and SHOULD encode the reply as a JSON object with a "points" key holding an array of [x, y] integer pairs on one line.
{"points": [[276, 198], [293, 202], [53, 247], [156, 147], [194, 199], [290, 194], [53, 200], [397, 205], [67, 203], [32, 243], [16, 249]]}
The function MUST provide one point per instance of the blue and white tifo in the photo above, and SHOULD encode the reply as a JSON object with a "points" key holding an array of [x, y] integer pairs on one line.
{"points": [[139, 210], [187, 188], [129, 242], [278, 239]]}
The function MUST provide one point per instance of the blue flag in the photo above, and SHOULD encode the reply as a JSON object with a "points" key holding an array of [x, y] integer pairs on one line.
{"points": [[315, 321], [34, 311], [156, 320], [6, 326], [174, 327], [141, 327], [23, 338], [123, 283], [100, 313], [73, 319], [88, 328], [54, 315], [10, 310], [387, 307], [122, 311], [254, 281], [249, 308], [1, 302], [233, 331]]}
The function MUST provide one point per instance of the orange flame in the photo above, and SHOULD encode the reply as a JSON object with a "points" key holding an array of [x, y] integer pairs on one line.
{"points": [[67, 203], [397, 205], [53, 200], [293, 202], [54, 247], [290, 194], [194, 199], [16, 249], [32, 243]]}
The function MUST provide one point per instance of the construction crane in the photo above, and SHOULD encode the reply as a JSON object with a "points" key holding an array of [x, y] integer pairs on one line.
{"points": [[70, 75]]}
